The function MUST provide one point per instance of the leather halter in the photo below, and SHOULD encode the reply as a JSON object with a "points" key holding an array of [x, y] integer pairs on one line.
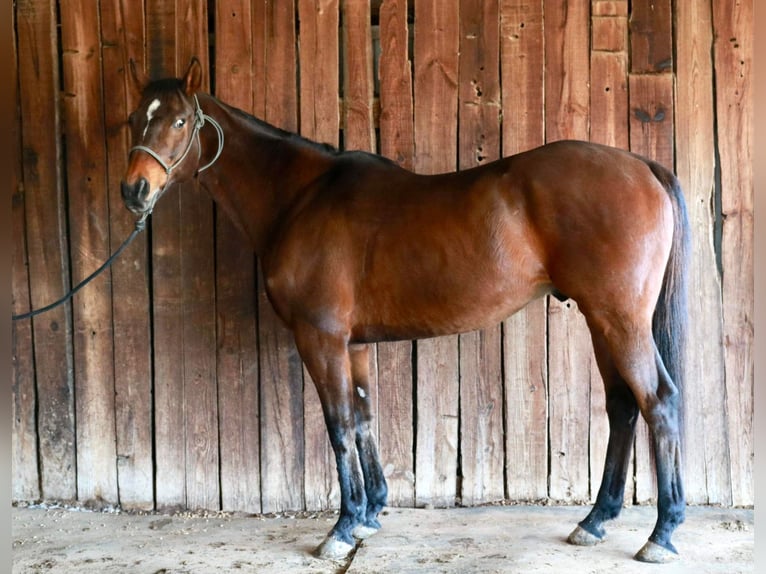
{"points": [[200, 118]]}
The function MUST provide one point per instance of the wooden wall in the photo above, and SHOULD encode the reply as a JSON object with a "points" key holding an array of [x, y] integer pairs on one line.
{"points": [[169, 382]]}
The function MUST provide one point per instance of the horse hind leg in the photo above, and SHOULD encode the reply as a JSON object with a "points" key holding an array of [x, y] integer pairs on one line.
{"points": [[636, 358], [622, 411], [662, 413], [374, 480]]}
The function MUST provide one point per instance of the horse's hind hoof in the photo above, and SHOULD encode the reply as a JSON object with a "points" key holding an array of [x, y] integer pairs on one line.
{"points": [[362, 532], [333, 549], [656, 554], [581, 537]]}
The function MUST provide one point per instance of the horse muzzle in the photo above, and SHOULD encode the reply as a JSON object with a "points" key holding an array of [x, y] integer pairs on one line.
{"points": [[136, 195]]}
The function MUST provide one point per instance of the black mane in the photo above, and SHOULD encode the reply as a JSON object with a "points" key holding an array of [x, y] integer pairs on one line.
{"points": [[157, 88], [325, 148], [284, 134]]}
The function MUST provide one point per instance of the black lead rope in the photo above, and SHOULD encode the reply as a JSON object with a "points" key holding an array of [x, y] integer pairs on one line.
{"points": [[140, 226]]}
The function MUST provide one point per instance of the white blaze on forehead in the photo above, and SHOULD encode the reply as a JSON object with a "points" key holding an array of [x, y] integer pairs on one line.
{"points": [[153, 106]]}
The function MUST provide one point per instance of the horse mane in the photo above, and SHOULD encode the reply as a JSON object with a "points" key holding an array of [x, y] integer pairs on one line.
{"points": [[284, 134], [157, 88], [279, 133]]}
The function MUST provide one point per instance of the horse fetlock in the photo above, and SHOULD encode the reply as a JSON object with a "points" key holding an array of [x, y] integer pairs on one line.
{"points": [[372, 518]]}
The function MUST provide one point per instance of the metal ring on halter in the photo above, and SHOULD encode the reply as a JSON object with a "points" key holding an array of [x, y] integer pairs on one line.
{"points": [[200, 119]]}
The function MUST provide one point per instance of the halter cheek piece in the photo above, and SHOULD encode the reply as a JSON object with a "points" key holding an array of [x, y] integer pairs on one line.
{"points": [[200, 118]]}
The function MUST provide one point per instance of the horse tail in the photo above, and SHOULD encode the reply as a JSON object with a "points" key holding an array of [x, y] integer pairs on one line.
{"points": [[669, 323]]}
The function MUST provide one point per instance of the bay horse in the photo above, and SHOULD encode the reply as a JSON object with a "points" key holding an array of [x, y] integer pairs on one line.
{"points": [[355, 250]]}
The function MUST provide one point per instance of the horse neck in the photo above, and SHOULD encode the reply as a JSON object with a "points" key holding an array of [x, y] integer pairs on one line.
{"points": [[260, 173]]}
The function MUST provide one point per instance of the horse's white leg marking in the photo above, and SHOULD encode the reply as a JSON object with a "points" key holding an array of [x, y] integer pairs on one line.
{"points": [[361, 392], [153, 106]]}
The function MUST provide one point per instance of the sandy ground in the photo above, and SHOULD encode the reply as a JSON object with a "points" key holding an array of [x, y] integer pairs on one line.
{"points": [[460, 540]]}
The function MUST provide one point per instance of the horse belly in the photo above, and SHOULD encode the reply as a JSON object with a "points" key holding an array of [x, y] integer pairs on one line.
{"points": [[465, 297]]}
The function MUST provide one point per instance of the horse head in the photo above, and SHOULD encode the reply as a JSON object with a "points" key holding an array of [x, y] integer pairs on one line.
{"points": [[165, 132]]}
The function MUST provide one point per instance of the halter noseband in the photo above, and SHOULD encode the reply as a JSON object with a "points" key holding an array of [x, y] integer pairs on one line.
{"points": [[200, 118]]}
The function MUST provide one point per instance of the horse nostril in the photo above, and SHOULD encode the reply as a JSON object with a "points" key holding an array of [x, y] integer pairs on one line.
{"points": [[134, 195], [125, 190], [134, 191]]}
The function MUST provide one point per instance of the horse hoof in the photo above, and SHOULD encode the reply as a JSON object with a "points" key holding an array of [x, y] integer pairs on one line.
{"points": [[655, 554], [333, 549], [362, 532], [581, 537]]}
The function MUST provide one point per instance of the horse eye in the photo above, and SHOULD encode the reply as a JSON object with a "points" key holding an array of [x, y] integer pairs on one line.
{"points": [[179, 123]]}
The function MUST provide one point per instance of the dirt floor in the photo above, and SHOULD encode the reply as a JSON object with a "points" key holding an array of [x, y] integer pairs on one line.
{"points": [[485, 539]]}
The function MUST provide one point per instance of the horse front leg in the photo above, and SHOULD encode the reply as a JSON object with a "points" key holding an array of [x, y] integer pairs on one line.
{"points": [[374, 480], [327, 359]]}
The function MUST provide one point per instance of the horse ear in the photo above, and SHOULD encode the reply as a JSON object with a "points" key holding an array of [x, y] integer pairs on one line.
{"points": [[137, 80], [193, 78]]}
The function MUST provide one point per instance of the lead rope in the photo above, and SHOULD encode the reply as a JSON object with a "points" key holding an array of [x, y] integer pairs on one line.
{"points": [[140, 226], [200, 119]]}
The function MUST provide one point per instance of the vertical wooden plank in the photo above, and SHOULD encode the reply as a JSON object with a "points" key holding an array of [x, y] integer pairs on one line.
{"points": [[47, 245], [397, 139], [319, 121], [733, 58], [26, 478], [167, 294], [396, 415], [481, 381], [318, 96], [651, 117], [567, 26], [609, 30], [198, 280], [707, 457], [651, 36], [435, 114], [395, 368], [358, 128], [184, 304], [258, 39], [524, 343], [122, 26], [609, 95], [237, 360], [651, 135], [281, 375], [281, 89], [89, 240]]}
